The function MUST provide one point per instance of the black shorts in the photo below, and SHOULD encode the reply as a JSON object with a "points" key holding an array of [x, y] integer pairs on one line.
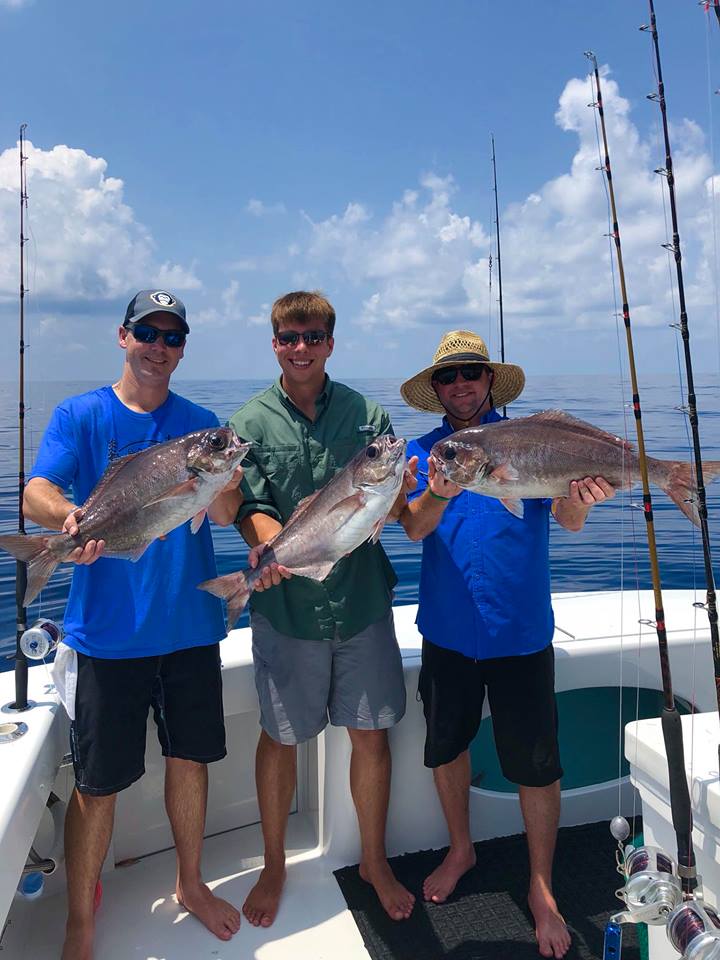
{"points": [[108, 734], [521, 693]]}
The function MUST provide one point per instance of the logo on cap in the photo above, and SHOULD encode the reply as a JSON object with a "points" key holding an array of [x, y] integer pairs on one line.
{"points": [[162, 299]]}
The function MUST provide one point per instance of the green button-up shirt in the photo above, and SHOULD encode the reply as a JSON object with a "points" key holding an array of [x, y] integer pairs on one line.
{"points": [[291, 459]]}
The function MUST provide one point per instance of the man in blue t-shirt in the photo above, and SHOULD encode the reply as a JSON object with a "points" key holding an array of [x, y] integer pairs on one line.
{"points": [[478, 558], [143, 635]]}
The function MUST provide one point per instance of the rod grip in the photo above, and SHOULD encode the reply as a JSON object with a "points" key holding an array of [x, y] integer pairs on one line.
{"points": [[679, 792]]}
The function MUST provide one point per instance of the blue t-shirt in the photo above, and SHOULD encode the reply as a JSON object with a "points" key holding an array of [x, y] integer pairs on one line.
{"points": [[485, 576], [118, 608]]}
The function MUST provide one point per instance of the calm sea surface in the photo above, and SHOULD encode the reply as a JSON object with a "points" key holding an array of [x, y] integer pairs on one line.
{"points": [[609, 553]]}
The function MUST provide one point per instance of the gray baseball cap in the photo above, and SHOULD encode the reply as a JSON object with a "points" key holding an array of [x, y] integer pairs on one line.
{"points": [[155, 301]]}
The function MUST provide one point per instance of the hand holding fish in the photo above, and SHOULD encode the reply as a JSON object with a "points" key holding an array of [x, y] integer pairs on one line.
{"points": [[223, 509], [271, 575], [439, 483], [409, 484], [92, 549], [588, 492]]}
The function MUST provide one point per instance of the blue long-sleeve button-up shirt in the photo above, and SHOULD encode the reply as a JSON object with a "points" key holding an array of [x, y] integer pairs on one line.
{"points": [[485, 577]]}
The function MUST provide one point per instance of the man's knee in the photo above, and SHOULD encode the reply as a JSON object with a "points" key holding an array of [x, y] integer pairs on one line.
{"points": [[370, 742]]}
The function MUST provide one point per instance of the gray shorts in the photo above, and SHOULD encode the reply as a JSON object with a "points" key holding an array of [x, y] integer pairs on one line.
{"points": [[356, 683]]}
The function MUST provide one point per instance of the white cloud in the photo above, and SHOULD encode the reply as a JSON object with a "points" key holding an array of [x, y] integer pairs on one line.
{"points": [[426, 260], [413, 261], [262, 317], [227, 312], [15, 4], [85, 242], [258, 208]]}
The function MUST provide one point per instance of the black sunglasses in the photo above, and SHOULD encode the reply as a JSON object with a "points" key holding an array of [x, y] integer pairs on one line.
{"points": [[447, 375], [144, 333], [311, 338]]}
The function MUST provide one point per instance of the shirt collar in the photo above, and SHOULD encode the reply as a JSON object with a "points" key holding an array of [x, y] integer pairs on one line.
{"points": [[492, 416], [321, 401]]}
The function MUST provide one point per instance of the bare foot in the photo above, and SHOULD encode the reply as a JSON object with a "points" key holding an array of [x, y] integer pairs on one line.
{"points": [[78, 941], [396, 900], [443, 880], [219, 916], [550, 930], [261, 905]]}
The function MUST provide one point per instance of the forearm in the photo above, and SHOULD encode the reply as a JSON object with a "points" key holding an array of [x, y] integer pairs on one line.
{"points": [[571, 516], [259, 528], [422, 515], [225, 506], [45, 504]]}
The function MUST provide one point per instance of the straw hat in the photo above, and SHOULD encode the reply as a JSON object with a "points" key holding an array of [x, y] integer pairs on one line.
{"points": [[460, 348]]}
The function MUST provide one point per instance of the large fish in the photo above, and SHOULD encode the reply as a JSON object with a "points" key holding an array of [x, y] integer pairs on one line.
{"points": [[139, 497], [329, 524], [538, 456]]}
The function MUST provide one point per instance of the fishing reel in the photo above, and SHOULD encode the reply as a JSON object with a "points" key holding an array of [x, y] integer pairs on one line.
{"points": [[693, 928], [40, 639], [652, 888]]}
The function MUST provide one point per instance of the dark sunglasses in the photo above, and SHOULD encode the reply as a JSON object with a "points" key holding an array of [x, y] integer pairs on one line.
{"points": [[144, 333], [447, 375], [311, 338]]}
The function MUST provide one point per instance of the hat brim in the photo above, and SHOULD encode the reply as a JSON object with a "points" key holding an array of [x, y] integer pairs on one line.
{"points": [[147, 313], [508, 383]]}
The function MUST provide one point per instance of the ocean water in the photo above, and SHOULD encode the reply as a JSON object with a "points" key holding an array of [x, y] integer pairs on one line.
{"points": [[610, 553]]}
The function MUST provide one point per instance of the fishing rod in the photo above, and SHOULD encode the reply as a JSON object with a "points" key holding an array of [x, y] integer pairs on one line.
{"points": [[674, 248], [715, 4], [651, 891], [21, 664], [498, 258]]}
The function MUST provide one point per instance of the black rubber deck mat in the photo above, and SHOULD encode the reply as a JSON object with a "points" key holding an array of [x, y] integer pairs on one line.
{"points": [[487, 917]]}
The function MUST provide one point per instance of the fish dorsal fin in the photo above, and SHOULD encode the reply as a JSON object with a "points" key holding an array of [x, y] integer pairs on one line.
{"points": [[306, 501], [111, 471], [560, 418]]}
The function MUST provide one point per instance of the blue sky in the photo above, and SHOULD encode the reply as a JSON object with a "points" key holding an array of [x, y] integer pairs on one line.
{"points": [[232, 151]]}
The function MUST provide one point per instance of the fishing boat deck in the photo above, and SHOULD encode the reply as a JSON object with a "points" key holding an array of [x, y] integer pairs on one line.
{"points": [[139, 917]]}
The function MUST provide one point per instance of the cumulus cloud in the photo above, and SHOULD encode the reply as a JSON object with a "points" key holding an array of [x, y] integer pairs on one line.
{"points": [[414, 260], [86, 243], [425, 261], [227, 311]]}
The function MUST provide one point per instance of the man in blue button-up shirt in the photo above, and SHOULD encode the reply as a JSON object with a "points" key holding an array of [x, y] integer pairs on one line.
{"points": [[487, 623]]}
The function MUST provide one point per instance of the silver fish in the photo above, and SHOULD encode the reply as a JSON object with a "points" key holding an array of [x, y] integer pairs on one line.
{"points": [[329, 524], [538, 456], [140, 497]]}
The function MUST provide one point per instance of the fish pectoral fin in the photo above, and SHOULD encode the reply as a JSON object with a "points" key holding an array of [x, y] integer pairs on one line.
{"points": [[516, 507], [134, 555], [197, 520], [184, 489], [316, 571], [377, 530], [504, 473], [350, 504]]}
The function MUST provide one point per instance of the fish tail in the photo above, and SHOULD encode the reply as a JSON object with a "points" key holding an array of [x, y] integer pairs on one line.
{"points": [[678, 482], [35, 551], [234, 588]]}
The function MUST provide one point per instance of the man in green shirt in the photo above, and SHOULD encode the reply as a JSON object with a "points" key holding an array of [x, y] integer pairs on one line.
{"points": [[321, 650]]}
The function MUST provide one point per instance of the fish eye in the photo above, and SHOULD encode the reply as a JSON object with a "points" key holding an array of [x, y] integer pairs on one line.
{"points": [[217, 441], [450, 452], [372, 451]]}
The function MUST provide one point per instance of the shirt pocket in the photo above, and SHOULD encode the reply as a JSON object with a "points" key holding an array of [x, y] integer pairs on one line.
{"points": [[280, 464]]}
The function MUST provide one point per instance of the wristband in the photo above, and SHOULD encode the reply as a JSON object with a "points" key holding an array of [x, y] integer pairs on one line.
{"points": [[438, 497]]}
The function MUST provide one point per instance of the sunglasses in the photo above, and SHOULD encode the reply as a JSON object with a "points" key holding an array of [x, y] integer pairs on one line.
{"points": [[144, 333], [447, 375], [311, 338]]}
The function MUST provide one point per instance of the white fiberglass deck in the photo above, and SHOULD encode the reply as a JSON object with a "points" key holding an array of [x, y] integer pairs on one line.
{"points": [[597, 637]]}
